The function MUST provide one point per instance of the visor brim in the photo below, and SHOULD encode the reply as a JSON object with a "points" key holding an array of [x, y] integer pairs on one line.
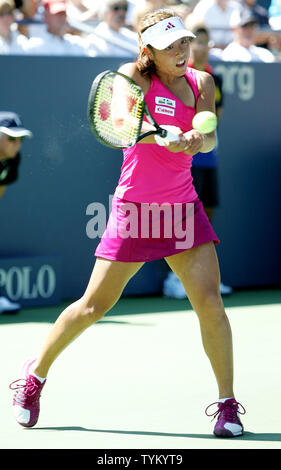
{"points": [[165, 40]]}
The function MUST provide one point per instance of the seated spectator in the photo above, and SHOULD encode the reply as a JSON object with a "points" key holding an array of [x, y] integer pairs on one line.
{"points": [[55, 40], [243, 48], [111, 37], [11, 134], [30, 18], [182, 9], [83, 11], [143, 8], [11, 41], [27, 8], [216, 14]]}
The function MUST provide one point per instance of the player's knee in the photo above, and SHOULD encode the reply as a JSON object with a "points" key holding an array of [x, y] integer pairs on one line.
{"points": [[91, 312], [211, 308]]}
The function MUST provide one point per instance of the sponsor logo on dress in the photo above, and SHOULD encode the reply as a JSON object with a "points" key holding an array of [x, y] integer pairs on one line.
{"points": [[164, 110], [165, 101]]}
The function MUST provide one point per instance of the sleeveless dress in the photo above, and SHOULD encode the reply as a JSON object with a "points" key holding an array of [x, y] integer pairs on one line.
{"points": [[155, 209]]}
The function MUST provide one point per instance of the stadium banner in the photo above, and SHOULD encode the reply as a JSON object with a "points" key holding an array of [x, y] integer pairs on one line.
{"points": [[31, 281], [66, 176]]}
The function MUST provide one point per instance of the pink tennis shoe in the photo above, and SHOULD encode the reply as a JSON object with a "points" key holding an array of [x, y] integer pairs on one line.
{"points": [[26, 404], [228, 423], [26, 398]]}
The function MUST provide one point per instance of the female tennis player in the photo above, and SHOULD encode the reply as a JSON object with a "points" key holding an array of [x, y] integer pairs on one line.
{"points": [[154, 174]]}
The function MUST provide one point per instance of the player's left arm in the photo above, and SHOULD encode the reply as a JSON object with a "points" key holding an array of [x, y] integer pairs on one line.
{"points": [[206, 102]]}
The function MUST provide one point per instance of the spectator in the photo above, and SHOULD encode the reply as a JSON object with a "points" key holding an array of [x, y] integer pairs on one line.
{"points": [[11, 134], [144, 7], [29, 17], [112, 37], [87, 11], [242, 48], [11, 41], [55, 40], [82, 11], [216, 14], [182, 9], [27, 7]]}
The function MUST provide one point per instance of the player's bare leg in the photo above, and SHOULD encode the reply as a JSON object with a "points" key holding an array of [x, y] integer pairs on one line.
{"points": [[104, 289], [199, 273], [106, 284]]}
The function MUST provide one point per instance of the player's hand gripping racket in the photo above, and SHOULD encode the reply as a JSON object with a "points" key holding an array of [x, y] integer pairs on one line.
{"points": [[116, 110]]}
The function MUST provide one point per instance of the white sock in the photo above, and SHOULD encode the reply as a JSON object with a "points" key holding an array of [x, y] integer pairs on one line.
{"points": [[222, 400], [41, 379]]}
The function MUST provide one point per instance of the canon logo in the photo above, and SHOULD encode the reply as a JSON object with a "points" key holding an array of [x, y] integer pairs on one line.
{"points": [[25, 283]]}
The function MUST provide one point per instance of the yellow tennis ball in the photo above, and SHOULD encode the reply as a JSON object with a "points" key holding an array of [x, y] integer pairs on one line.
{"points": [[205, 122]]}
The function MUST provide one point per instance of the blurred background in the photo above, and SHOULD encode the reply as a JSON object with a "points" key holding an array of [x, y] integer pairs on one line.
{"points": [[50, 52]]}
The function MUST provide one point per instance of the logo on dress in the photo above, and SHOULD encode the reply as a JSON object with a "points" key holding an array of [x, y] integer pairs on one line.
{"points": [[164, 110], [165, 105], [165, 101], [169, 26]]}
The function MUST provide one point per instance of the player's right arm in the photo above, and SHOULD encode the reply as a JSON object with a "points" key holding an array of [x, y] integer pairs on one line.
{"points": [[130, 70]]}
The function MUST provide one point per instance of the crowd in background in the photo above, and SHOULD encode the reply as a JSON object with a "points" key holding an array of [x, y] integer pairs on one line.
{"points": [[240, 30]]}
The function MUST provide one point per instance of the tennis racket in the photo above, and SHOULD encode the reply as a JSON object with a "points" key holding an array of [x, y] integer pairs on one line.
{"points": [[116, 110]]}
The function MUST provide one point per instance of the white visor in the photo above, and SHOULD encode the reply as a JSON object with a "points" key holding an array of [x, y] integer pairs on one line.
{"points": [[164, 33]]}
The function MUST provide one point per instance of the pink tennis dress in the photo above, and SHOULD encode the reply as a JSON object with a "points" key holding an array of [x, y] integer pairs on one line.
{"points": [[155, 209]]}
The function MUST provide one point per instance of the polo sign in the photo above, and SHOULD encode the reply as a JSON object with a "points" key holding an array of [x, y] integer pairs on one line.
{"points": [[31, 281]]}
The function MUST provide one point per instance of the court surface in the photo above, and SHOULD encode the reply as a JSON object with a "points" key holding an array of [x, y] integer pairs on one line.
{"points": [[139, 379]]}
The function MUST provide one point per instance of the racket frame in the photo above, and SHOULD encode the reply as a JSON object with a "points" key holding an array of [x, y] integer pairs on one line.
{"points": [[144, 112]]}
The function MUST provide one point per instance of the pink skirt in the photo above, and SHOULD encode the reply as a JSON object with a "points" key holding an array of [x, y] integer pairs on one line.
{"points": [[138, 232]]}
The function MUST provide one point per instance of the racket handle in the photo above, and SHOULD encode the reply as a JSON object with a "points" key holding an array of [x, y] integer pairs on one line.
{"points": [[165, 137], [162, 132]]}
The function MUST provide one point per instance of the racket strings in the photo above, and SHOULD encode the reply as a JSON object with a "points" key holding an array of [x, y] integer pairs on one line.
{"points": [[117, 111]]}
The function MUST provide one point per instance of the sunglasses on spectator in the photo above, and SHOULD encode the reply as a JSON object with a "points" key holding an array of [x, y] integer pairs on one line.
{"points": [[119, 7], [13, 139]]}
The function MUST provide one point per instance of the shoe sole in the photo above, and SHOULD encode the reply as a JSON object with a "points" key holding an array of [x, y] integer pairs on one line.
{"points": [[227, 434]]}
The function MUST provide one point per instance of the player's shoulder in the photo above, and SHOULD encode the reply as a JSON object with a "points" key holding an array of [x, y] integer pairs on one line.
{"points": [[131, 70], [204, 80]]}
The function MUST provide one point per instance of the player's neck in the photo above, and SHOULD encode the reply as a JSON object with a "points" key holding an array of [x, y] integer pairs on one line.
{"points": [[168, 80]]}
